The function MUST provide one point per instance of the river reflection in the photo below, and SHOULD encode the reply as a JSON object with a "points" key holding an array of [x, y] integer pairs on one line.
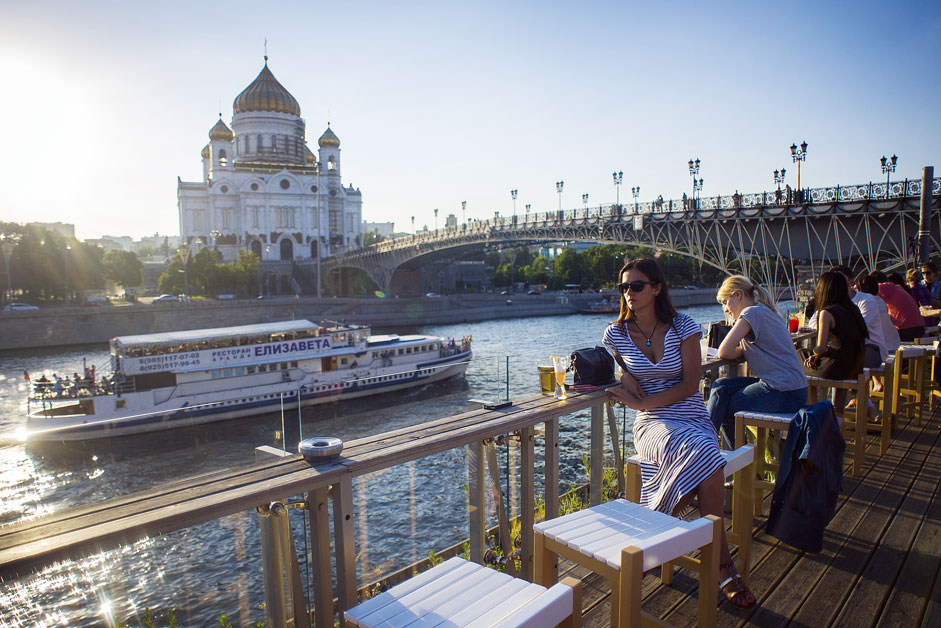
{"points": [[214, 568]]}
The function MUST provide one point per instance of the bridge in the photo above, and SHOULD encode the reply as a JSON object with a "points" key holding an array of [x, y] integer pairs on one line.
{"points": [[770, 236]]}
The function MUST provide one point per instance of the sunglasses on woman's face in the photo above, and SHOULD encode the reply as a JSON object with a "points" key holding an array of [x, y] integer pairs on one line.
{"points": [[635, 286]]}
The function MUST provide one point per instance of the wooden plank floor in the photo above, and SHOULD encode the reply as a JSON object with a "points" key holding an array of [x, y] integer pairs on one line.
{"points": [[879, 565]]}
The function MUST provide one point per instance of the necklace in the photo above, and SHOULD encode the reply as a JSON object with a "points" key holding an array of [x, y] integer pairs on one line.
{"points": [[650, 335]]}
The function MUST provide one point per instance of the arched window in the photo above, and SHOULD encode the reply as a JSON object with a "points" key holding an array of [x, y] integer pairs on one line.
{"points": [[223, 160], [287, 249], [256, 248], [332, 163]]}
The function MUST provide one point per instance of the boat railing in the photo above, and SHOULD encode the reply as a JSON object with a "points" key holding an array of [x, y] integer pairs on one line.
{"points": [[280, 484]]}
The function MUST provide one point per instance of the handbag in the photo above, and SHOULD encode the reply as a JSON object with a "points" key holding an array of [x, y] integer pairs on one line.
{"points": [[717, 333], [593, 366]]}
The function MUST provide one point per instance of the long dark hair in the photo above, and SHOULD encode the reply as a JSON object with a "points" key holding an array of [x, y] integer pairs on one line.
{"points": [[662, 305], [833, 290]]}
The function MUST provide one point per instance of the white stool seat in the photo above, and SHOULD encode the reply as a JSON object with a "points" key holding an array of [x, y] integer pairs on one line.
{"points": [[735, 459], [460, 593], [602, 531]]}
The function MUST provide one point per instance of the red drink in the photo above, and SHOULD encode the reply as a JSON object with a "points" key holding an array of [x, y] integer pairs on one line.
{"points": [[792, 324]]}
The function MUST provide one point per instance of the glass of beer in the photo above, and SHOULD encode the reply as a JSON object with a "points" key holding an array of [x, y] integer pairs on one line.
{"points": [[560, 365], [546, 378]]}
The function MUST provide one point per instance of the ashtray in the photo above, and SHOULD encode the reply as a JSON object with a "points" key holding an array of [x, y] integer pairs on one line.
{"points": [[320, 448]]}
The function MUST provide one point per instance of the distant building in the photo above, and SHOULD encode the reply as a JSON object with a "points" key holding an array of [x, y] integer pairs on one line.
{"points": [[62, 228], [264, 190], [385, 229], [450, 222], [159, 242]]}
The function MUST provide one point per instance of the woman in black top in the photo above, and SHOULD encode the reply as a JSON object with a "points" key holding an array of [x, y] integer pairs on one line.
{"points": [[841, 332]]}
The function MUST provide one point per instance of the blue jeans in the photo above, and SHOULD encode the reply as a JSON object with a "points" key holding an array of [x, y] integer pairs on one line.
{"points": [[733, 394]]}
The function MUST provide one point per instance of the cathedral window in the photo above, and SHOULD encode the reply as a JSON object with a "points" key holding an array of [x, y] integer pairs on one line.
{"points": [[254, 187], [332, 163], [223, 160], [313, 189], [315, 218], [225, 218], [261, 144], [285, 184], [255, 217], [349, 223]]}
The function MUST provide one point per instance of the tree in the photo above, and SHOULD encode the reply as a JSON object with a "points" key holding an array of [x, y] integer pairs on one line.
{"points": [[570, 267], [123, 268]]}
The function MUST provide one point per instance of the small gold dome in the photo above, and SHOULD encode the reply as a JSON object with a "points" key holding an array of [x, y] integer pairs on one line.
{"points": [[220, 132], [265, 93], [329, 139], [311, 157], [206, 153]]}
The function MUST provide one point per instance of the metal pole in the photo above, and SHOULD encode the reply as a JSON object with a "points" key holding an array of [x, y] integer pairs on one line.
{"points": [[924, 217]]}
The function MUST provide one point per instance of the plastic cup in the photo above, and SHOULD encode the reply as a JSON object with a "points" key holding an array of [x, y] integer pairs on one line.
{"points": [[546, 378], [792, 324]]}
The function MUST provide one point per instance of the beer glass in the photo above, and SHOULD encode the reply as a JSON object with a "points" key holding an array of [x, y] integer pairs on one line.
{"points": [[546, 378], [560, 365]]}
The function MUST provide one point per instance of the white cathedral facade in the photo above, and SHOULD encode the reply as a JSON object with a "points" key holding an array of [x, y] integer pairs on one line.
{"points": [[264, 190]]}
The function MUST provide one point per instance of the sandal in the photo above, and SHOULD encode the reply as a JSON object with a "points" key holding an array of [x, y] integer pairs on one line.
{"points": [[734, 589]]}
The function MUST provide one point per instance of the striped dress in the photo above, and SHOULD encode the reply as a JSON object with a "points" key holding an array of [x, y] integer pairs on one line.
{"points": [[678, 440]]}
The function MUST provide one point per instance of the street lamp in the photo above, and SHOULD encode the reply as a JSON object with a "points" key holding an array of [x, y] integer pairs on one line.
{"points": [[413, 225], [585, 203], [436, 219], [618, 178], [636, 193], [558, 188], [797, 156], [7, 244], [779, 179], [68, 287], [693, 172], [463, 209], [185, 252], [513, 194], [888, 167], [697, 188]]}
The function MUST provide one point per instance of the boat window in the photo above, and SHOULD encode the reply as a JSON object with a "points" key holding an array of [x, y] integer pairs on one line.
{"points": [[215, 374], [262, 368], [284, 366], [120, 403], [226, 372], [239, 370], [342, 360], [251, 370]]}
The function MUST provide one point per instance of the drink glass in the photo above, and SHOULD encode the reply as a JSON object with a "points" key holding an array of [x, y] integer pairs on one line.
{"points": [[560, 365], [546, 378], [792, 324]]}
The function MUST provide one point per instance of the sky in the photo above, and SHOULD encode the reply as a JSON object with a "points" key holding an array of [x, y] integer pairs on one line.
{"points": [[105, 104]]}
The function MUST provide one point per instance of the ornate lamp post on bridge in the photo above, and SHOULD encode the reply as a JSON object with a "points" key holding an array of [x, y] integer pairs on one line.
{"points": [[618, 178], [585, 203], [436, 219], [778, 180], [463, 210], [185, 253], [799, 154], [694, 172], [558, 188], [636, 193], [888, 167], [413, 225]]}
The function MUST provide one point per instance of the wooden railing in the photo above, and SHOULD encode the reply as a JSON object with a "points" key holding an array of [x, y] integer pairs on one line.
{"points": [[90, 529]]}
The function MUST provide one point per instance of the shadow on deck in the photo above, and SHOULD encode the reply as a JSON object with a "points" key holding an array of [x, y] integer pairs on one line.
{"points": [[879, 565]]}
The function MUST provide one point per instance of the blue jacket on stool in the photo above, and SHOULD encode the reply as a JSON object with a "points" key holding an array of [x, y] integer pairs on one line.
{"points": [[809, 480]]}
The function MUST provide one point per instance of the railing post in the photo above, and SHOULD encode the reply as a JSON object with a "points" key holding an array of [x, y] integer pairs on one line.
{"points": [[272, 567], [344, 530], [618, 463], [475, 500], [527, 501], [506, 543], [596, 460], [319, 511], [551, 468]]}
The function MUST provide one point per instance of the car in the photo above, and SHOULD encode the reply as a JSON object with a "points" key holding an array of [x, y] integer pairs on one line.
{"points": [[432, 294], [691, 288], [166, 298], [20, 306], [533, 292], [507, 292]]}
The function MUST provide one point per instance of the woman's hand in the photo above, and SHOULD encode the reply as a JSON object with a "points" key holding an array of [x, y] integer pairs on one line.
{"points": [[631, 386], [619, 393]]}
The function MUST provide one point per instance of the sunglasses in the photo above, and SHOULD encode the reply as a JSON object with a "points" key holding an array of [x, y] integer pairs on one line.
{"points": [[635, 286]]}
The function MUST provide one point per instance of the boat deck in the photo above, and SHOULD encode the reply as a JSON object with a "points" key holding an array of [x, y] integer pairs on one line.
{"points": [[879, 565]]}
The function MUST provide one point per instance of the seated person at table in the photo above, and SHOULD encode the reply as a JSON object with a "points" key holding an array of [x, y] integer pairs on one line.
{"points": [[660, 354], [890, 335], [902, 308], [868, 307], [841, 336], [922, 295], [759, 336]]}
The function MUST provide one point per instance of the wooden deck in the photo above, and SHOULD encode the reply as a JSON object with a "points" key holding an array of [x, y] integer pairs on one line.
{"points": [[879, 565]]}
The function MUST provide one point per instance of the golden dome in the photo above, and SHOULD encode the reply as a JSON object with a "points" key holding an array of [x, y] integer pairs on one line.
{"points": [[265, 93], [311, 157], [329, 139], [220, 132], [206, 153]]}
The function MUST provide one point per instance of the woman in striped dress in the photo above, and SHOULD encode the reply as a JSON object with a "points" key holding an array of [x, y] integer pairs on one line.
{"points": [[659, 351]]}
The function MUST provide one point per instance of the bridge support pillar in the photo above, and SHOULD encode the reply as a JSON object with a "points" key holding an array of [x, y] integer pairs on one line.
{"points": [[924, 217]]}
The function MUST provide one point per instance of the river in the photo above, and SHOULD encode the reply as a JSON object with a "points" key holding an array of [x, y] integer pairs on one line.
{"points": [[204, 571]]}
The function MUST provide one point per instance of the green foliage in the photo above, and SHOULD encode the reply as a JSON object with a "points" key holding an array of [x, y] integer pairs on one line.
{"points": [[433, 559], [224, 621], [123, 268], [371, 237], [207, 276]]}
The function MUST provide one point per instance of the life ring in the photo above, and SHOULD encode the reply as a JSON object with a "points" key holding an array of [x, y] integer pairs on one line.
{"points": [[320, 448]]}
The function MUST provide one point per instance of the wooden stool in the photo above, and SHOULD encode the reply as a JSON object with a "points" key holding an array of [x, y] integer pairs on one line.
{"points": [[908, 377], [884, 399], [855, 420], [620, 540], [459, 593], [762, 422], [739, 465]]}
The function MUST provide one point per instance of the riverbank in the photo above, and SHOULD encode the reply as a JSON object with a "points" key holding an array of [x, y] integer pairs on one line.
{"points": [[69, 326]]}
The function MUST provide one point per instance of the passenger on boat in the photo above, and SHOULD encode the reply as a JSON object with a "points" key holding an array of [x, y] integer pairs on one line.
{"points": [[759, 336], [658, 349]]}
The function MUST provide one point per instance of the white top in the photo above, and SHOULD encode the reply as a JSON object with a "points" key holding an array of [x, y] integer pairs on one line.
{"points": [[870, 310]]}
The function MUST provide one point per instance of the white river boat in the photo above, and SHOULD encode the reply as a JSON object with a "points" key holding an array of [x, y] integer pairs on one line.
{"points": [[161, 381]]}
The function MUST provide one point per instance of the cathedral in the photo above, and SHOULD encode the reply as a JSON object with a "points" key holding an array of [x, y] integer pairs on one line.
{"points": [[264, 190]]}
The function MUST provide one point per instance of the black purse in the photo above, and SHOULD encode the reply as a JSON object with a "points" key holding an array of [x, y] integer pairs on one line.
{"points": [[593, 366], [717, 333]]}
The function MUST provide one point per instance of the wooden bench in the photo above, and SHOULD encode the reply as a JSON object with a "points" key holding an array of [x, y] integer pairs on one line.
{"points": [[620, 540], [460, 593], [739, 465]]}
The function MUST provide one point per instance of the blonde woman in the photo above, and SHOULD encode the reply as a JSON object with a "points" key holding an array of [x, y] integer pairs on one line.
{"points": [[760, 337]]}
